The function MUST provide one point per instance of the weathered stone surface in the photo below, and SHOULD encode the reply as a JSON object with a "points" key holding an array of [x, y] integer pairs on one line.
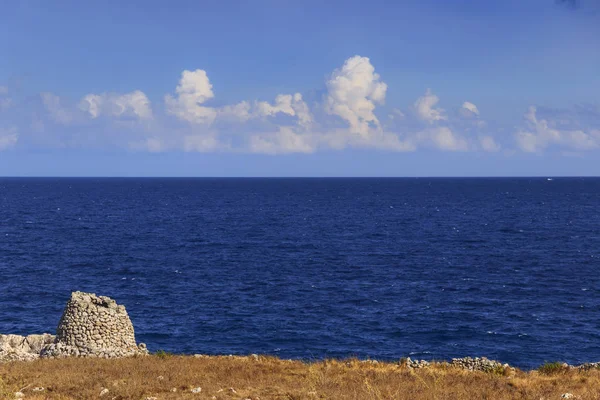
{"points": [[468, 363], [415, 363], [478, 364], [23, 348], [94, 326]]}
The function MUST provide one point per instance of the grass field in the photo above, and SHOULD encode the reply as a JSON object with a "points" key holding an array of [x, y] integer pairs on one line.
{"points": [[166, 376]]}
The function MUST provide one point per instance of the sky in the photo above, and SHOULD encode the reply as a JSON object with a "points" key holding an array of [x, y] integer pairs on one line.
{"points": [[300, 88]]}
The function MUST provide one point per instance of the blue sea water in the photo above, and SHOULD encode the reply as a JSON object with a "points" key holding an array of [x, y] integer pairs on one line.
{"points": [[313, 268]]}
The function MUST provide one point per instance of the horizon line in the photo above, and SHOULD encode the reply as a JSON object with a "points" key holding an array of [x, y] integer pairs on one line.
{"points": [[299, 177]]}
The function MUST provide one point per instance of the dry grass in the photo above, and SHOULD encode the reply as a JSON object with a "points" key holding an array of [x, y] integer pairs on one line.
{"points": [[271, 378]]}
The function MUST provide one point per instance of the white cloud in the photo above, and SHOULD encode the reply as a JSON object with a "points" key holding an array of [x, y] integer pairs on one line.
{"points": [[238, 112], [425, 108], [286, 140], [203, 143], [53, 105], [346, 118], [443, 138], [281, 142], [381, 140], [132, 105], [352, 92], [538, 134], [283, 104], [305, 118], [488, 143], [397, 114], [194, 89], [469, 109], [8, 138], [292, 105]]}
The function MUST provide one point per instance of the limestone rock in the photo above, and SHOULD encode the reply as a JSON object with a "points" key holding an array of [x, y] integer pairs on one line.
{"points": [[23, 348], [415, 364], [477, 364]]}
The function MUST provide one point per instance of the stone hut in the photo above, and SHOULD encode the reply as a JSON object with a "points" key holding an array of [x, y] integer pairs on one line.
{"points": [[94, 326]]}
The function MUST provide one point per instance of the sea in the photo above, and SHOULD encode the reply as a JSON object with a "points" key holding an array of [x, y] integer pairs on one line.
{"points": [[374, 268]]}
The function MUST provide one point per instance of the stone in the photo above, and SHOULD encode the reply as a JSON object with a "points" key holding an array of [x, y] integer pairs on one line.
{"points": [[196, 390], [415, 363], [589, 366], [103, 392], [477, 364], [94, 326], [23, 348]]}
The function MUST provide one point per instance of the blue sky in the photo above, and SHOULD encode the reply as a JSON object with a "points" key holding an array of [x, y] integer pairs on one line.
{"points": [[299, 88]]}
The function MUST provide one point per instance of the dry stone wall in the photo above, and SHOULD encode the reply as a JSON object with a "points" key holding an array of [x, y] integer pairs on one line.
{"points": [[94, 326]]}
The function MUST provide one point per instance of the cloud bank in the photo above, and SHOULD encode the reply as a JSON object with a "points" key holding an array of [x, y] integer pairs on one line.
{"points": [[350, 113]]}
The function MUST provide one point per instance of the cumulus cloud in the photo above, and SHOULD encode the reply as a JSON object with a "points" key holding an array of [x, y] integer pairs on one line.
{"points": [[426, 110], [285, 125], [8, 138], [236, 112], [283, 104], [353, 91], [292, 105], [469, 109], [305, 118], [193, 91], [344, 117], [540, 133], [128, 105]]}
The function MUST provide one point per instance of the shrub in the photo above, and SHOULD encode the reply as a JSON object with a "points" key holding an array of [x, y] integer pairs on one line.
{"points": [[551, 368], [163, 354]]}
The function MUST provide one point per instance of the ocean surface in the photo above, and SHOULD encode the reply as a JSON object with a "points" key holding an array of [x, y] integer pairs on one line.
{"points": [[314, 268]]}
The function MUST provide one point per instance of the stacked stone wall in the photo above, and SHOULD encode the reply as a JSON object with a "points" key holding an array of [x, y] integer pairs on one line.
{"points": [[94, 326]]}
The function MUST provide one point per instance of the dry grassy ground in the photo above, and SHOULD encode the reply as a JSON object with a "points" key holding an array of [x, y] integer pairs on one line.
{"points": [[173, 377]]}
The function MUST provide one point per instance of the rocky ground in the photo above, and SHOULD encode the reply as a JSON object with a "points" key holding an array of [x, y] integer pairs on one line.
{"points": [[23, 348]]}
